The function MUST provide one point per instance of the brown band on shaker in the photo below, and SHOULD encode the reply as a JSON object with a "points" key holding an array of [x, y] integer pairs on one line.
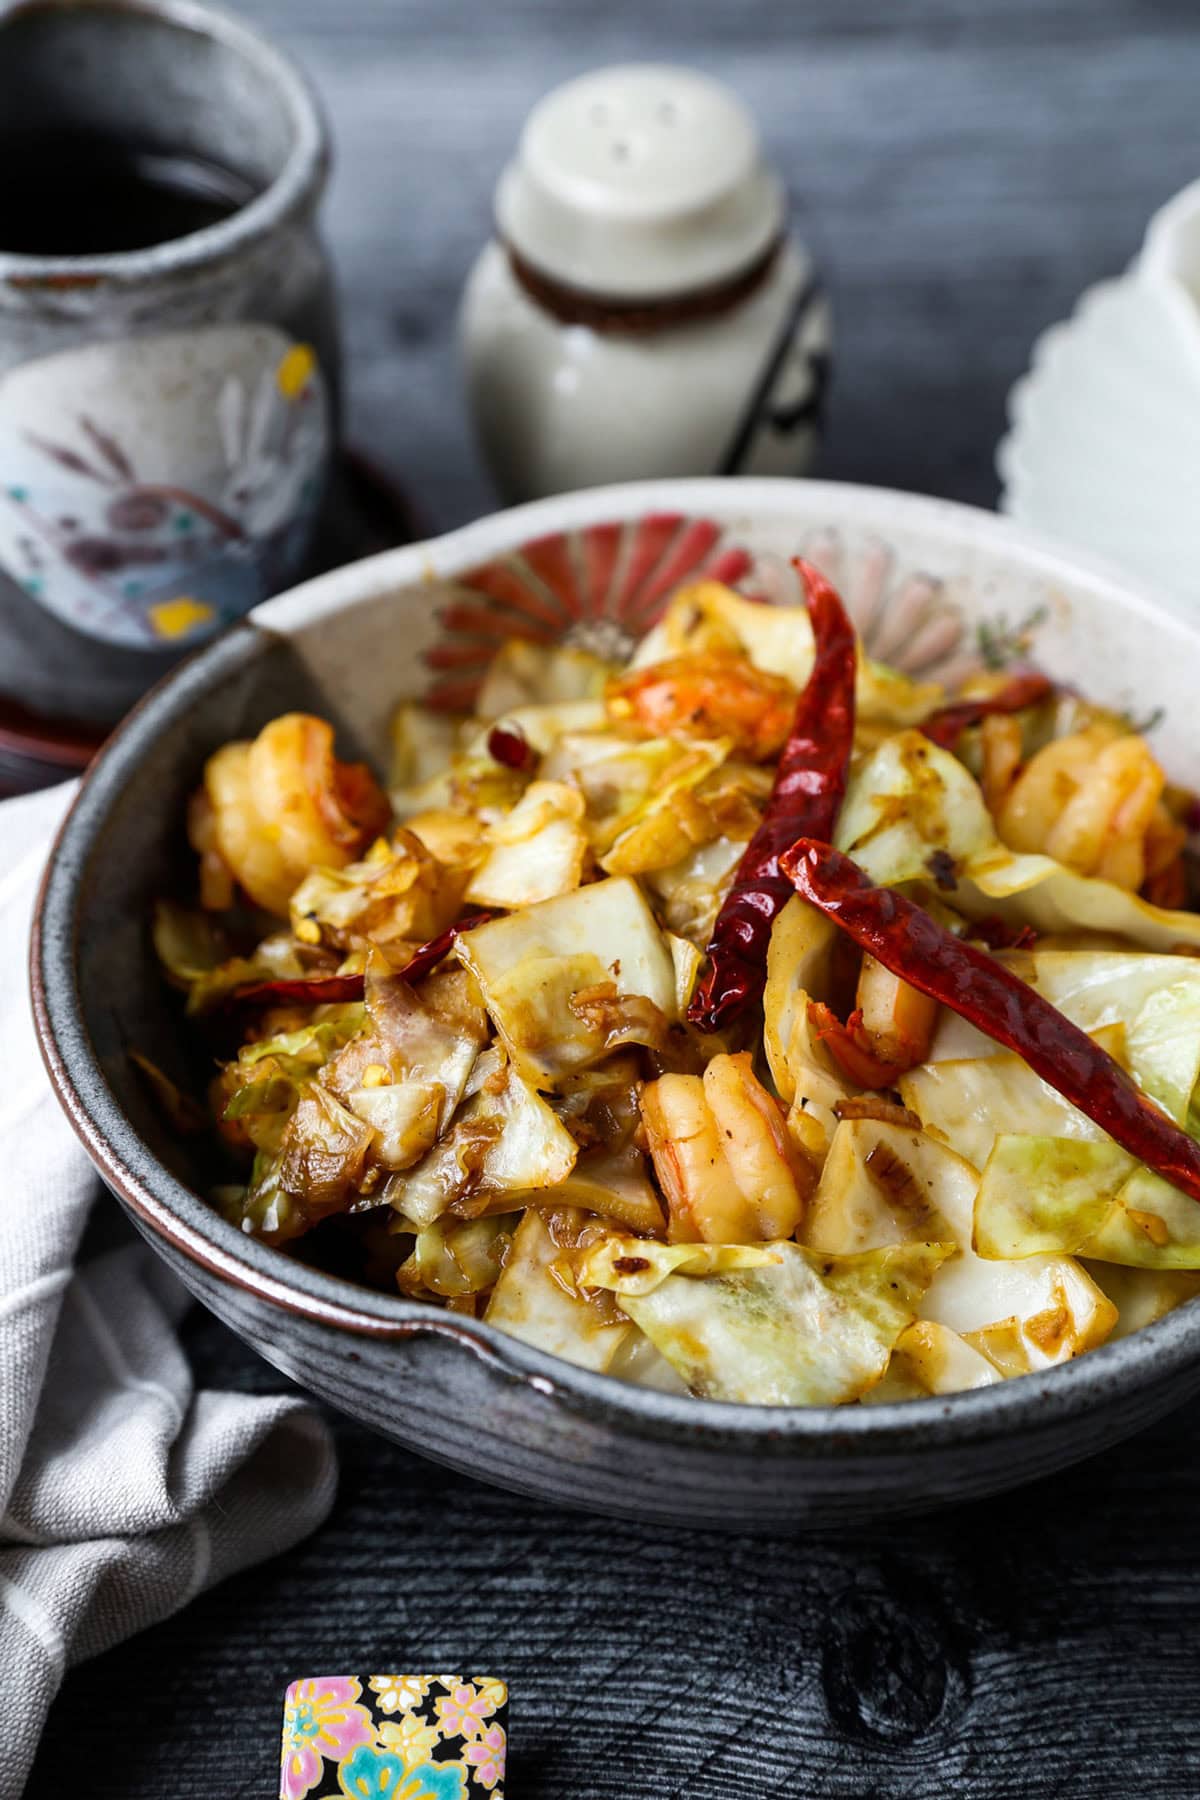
{"points": [[613, 316]]}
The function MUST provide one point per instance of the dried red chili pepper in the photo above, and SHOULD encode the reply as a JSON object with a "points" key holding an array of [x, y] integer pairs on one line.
{"points": [[509, 745], [308, 990], [430, 954], [907, 940], [321, 990], [804, 802], [947, 725]]}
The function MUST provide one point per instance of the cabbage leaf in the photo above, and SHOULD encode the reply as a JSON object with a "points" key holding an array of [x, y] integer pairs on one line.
{"points": [[890, 1184], [613, 1184], [809, 1330], [522, 674], [1084, 1194], [499, 1143], [800, 965], [1052, 1194], [398, 890], [641, 814], [537, 852], [423, 743], [1143, 1295], [971, 1100], [531, 1302], [407, 1070], [634, 1265], [456, 1257], [601, 941], [316, 1172], [638, 1361], [690, 892], [936, 1360]]}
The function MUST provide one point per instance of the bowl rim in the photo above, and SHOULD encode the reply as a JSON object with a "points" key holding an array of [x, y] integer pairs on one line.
{"points": [[166, 1208]]}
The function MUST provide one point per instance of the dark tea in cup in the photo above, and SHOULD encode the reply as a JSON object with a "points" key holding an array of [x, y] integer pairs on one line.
{"points": [[83, 193]]}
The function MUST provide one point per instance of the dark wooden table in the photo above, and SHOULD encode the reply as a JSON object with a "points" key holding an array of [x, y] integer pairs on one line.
{"points": [[963, 167]]}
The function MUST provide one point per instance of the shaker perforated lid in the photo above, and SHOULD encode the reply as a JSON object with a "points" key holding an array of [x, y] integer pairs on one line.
{"points": [[638, 181]]}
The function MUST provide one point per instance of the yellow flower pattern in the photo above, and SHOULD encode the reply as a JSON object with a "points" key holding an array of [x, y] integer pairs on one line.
{"points": [[410, 1737]]}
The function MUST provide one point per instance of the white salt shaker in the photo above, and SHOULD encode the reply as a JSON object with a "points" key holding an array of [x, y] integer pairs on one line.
{"points": [[643, 309]]}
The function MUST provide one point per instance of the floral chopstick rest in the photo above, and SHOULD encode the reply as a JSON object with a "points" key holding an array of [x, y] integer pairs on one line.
{"points": [[394, 1737]]}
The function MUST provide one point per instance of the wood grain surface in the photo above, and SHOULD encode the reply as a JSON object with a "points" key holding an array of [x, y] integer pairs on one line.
{"points": [[962, 168]]}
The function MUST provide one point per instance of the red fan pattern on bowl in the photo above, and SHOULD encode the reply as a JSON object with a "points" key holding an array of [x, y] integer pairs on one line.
{"points": [[600, 588]]}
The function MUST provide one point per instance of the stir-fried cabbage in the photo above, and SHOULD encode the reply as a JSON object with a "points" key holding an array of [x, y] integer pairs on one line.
{"points": [[524, 674], [650, 802], [1052, 1178], [800, 969], [937, 1360], [850, 1195], [571, 978], [536, 853], [892, 1184], [536, 1300], [1143, 1295], [914, 813], [197, 955], [504, 1141], [969, 1100], [400, 890], [806, 1330], [423, 743], [689, 893], [1091, 1200], [458, 1257], [777, 639], [636, 1266], [315, 1172]]}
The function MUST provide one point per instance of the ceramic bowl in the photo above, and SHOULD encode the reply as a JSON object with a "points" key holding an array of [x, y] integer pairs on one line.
{"points": [[935, 588]]}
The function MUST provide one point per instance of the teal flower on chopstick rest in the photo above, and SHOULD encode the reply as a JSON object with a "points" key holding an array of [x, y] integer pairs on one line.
{"points": [[370, 1774], [394, 1737]]}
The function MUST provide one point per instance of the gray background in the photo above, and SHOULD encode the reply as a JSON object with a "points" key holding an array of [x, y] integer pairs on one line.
{"points": [[962, 170]]}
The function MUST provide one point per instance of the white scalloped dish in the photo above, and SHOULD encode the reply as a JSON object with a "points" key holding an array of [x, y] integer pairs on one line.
{"points": [[1104, 437]]}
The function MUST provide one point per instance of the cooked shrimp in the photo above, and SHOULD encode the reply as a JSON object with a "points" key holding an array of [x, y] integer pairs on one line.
{"points": [[1044, 786], [1088, 800], [1000, 745], [1102, 829], [754, 1137], [704, 1201], [282, 805], [889, 1032], [710, 694]]}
